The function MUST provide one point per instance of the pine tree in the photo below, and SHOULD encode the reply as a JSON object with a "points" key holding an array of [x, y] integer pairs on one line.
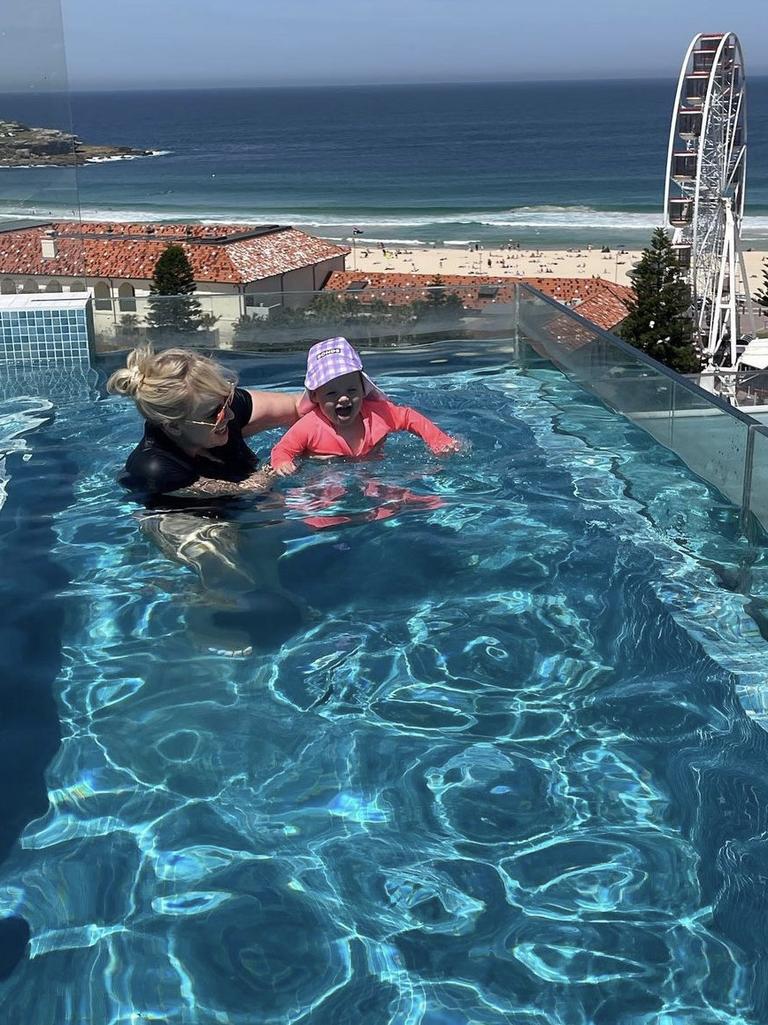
{"points": [[659, 320], [172, 306], [762, 297]]}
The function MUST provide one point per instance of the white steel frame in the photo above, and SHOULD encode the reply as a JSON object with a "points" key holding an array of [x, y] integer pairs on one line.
{"points": [[717, 191]]}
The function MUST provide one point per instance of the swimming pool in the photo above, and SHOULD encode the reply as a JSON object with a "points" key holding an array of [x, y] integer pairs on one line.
{"points": [[503, 771]]}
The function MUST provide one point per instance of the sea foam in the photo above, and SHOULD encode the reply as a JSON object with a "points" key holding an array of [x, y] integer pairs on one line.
{"points": [[382, 227]]}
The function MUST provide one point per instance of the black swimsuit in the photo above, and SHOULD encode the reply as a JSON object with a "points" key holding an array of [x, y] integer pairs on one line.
{"points": [[158, 466]]}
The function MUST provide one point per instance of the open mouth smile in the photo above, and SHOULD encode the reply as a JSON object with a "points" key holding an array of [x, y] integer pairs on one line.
{"points": [[343, 410]]}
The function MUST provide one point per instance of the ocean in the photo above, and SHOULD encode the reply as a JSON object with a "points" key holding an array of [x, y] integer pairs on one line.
{"points": [[550, 164]]}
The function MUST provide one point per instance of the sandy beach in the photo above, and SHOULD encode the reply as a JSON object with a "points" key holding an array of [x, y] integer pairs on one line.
{"points": [[512, 262]]}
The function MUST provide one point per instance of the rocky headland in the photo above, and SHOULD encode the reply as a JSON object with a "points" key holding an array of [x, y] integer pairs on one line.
{"points": [[22, 146]]}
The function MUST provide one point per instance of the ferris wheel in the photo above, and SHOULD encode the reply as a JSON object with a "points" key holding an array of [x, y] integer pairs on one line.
{"points": [[705, 186]]}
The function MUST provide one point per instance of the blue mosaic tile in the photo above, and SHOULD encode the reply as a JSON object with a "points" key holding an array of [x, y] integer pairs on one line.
{"points": [[46, 337]]}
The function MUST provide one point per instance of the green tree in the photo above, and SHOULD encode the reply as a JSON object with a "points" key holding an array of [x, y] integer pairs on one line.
{"points": [[439, 302], [247, 329], [762, 297], [208, 321], [659, 320], [172, 305], [129, 322]]}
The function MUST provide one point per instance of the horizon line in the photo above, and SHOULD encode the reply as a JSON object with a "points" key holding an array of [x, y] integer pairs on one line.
{"points": [[207, 87]]}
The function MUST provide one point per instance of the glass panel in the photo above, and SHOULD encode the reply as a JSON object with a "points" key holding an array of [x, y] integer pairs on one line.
{"points": [[757, 502], [708, 435], [291, 320], [710, 439], [620, 377], [747, 386], [38, 150]]}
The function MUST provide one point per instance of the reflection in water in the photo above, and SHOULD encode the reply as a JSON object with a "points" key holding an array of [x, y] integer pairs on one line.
{"points": [[242, 603], [235, 548], [59, 384]]}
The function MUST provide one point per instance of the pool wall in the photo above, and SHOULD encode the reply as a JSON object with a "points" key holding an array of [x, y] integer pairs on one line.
{"points": [[48, 330]]}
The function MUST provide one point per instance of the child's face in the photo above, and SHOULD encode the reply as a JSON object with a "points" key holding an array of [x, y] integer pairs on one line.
{"points": [[341, 398]]}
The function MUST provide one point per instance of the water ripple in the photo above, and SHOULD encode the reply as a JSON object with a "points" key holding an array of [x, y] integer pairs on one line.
{"points": [[503, 774]]}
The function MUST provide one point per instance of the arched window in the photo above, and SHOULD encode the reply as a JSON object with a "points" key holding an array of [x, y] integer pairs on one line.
{"points": [[77, 286], [127, 298], [54, 286], [102, 296], [30, 285], [7, 286]]}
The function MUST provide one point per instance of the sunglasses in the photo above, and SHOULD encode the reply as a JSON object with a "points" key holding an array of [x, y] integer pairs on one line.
{"points": [[218, 416]]}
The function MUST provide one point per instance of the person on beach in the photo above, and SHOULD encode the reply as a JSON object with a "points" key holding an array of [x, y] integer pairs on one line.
{"points": [[195, 423], [346, 414]]}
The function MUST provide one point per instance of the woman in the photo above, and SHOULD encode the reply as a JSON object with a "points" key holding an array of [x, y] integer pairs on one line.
{"points": [[196, 419], [195, 423]]}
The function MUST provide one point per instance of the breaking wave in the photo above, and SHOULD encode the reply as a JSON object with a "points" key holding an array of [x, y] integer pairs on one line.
{"points": [[404, 227]]}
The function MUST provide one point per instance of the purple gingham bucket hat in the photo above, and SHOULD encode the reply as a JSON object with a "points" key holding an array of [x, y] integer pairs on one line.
{"points": [[332, 358]]}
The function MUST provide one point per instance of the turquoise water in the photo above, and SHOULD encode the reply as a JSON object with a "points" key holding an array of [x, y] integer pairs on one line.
{"points": [[502, 772]]}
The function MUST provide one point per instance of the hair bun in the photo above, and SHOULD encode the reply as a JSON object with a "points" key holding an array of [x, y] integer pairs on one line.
{"points": [[129, 379], [136, 379]]}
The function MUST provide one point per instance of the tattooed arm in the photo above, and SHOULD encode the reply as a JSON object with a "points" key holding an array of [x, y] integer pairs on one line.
{"points": [[205, 487]]}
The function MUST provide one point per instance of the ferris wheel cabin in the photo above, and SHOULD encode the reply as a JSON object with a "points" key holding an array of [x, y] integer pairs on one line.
{"points": [[680, 212], [684, 166], [689, 123], [682, 251]]}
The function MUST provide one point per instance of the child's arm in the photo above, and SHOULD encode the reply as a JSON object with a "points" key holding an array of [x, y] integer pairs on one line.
{"points": [[292, 444], [407, 419]]}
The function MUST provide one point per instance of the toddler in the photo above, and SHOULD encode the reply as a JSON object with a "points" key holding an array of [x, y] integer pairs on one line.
{"points": [[348, 415]]}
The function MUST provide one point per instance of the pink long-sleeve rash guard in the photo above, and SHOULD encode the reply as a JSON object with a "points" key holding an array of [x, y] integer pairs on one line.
{"points": [[315, 435]]}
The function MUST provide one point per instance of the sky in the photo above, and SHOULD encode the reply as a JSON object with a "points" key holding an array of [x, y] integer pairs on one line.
{"points": [[212, 43]]}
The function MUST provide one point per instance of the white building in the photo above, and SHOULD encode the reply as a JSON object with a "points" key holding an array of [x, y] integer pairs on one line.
{"points": [[237, 268]]}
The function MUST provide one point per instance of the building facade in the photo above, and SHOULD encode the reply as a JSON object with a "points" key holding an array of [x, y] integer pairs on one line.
{"points": [[238, 269]]}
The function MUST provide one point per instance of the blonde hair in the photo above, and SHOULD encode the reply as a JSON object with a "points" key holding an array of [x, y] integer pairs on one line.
{"points": [[167, 385]]}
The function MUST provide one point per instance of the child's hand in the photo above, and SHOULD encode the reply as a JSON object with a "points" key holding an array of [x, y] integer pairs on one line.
{"points": [[449, 447], [284, 469]]}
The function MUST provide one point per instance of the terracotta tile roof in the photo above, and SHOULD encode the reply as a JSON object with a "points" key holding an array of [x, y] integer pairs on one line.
{"points": [[600, 301], [606, 307], [219, 253], [570, 333]]}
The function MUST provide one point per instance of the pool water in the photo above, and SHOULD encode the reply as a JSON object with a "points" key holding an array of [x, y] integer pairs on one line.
{"points": [[504, 764]]}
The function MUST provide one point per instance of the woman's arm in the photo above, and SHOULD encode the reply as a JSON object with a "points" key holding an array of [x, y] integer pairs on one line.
{"points": [[272, 409], [206, 487]]}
